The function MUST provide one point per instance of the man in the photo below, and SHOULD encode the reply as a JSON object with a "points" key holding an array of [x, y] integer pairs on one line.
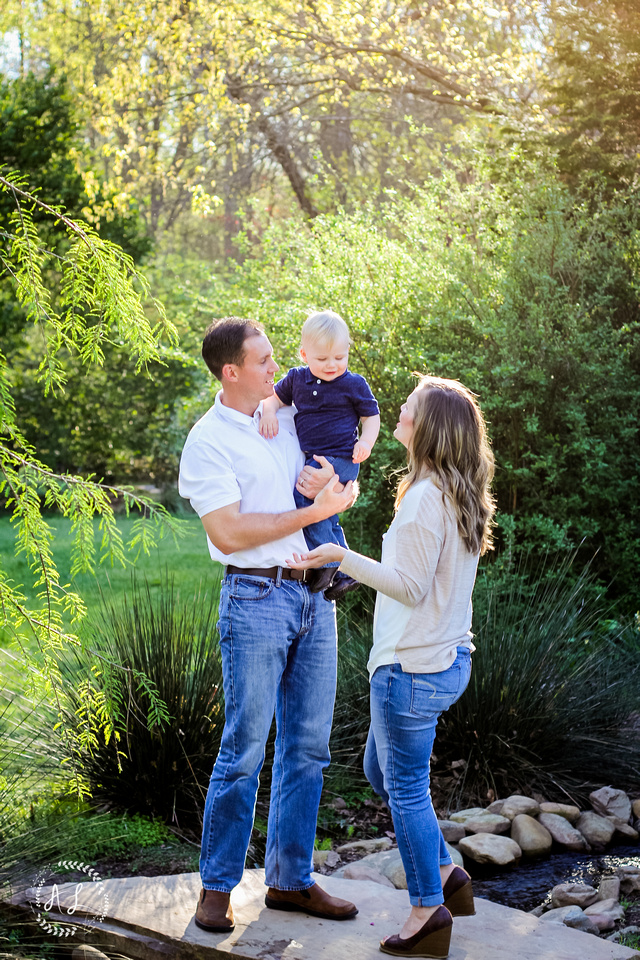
{"points": [[277, 638]]}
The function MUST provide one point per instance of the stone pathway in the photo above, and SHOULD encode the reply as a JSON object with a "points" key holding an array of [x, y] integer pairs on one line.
{"points": [[148, 918]]}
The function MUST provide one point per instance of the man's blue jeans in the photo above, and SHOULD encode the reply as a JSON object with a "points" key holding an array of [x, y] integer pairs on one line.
{"points": [[327, 531], [404, 712], [278, 644]]}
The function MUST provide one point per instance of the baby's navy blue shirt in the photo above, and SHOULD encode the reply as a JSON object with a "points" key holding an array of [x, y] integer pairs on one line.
{"points": [[328, 411]]}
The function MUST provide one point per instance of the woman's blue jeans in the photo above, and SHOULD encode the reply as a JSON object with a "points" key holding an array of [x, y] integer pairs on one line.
{"points": [[278, 646], [404, 712]]}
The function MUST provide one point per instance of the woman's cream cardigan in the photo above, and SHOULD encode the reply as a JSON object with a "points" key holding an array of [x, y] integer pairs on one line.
{"points": [[424, 584]]}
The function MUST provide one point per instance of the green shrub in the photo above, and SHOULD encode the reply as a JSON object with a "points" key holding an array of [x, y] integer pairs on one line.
{"points": [[552, 692]]}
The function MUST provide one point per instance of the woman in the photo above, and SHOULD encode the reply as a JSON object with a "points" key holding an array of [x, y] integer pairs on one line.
{"points": [[420, 662]]}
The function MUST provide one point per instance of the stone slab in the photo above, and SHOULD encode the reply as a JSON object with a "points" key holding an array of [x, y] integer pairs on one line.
{"points": [[152, 917]]}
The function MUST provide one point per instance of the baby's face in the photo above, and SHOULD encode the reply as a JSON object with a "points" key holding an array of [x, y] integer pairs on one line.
{"points": [[326, 360]]}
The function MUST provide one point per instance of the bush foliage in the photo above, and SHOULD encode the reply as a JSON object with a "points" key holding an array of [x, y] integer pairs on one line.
{"points": [[496, 274]]}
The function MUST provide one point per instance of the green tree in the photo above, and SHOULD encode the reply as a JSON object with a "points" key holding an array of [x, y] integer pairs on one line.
{"points": [[40, 137], [300, 103], [101, 298], [595, 86]]}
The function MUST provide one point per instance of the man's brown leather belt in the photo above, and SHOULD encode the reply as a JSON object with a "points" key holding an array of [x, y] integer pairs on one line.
{"points": [[270, 573]]}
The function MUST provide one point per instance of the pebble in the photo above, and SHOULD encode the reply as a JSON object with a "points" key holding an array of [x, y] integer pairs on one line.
{"points": [[565, 810], [517, 804], [609, 888], [584, 923], [531, 836], [596, 830], [562, 832], [561, 914], [487, 823], [578, 894], [489, 848], [451, 831], [610, 802], [610, 908], [365, 846], [360, 871], [462, 815]]}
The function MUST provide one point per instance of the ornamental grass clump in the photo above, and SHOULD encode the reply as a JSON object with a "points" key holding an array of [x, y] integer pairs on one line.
{"points": [[154, 762], [553, 696]]}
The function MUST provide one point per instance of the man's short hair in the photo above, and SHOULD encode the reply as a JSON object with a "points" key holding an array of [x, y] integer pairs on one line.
{"points": [[224, 342]]}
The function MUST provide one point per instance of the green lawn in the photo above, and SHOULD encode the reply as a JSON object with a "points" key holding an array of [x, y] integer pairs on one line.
{"points": [[187, 561]]}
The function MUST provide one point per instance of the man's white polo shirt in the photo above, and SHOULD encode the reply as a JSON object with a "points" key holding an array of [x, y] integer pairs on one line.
{"points": [[225, 460]]}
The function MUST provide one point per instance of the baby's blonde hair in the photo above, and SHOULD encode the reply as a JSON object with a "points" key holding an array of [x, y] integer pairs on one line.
{"points": [[324, 327]]}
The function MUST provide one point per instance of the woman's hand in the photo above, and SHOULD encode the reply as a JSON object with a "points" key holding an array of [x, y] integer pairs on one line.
{"points": [[320, 557]]}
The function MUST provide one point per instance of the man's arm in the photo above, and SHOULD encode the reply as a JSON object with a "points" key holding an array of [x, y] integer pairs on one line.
{"points": [[229, 530]]}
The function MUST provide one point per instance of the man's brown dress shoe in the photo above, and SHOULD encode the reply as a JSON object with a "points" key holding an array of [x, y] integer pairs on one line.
{"points": [[214, 912], [458, 894], [313, 900], [431, 940]]}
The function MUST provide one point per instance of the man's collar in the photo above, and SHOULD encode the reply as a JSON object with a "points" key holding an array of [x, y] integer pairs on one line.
{"points": [[233, 415]]}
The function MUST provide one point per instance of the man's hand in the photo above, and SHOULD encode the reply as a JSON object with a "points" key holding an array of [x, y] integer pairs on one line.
{"points": [[334, 497], [361, 451], [312, 479], [269, 426]]}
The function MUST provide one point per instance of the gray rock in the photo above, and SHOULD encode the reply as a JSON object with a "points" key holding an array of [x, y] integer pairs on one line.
{"points": [[610, 802], [623, 828], [566, 810], [497, 805], [596, 830], [578, 894], [365, 846], [584, 923], [606, 908], [537, 911], [388, 863], [515, 805], [487, 823], [325, 858], [360, 871], [562, 832], [609, 888], [562, 914], [455, 854], [635, 806], [629, 879], [532, 837], [85, 952], [602, 921], [451, 831], [463, 815], [489, 848]]}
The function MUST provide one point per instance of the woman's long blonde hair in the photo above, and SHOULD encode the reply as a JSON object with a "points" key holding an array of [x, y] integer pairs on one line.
{"points": [[449, 443]]}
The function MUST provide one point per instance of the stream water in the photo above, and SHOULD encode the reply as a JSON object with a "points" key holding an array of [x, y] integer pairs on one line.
{"points": [[529, 884]]}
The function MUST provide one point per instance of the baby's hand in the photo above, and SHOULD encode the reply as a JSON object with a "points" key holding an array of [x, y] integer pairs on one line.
{"points": [[361, 451], [269, 426]]}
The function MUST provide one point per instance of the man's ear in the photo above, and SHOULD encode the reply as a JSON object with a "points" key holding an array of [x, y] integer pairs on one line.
{"points": [[230, 372]]}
